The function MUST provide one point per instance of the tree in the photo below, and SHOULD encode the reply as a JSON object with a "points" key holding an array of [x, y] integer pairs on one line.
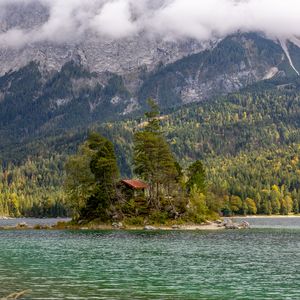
{"points": [[197, 207], [80, 181], [91, 178], [236, 204], [251, 206], [196, 177], [295, 202], [153, 159], [104, 167], [286, 205], [13, 205], [275, 196]]}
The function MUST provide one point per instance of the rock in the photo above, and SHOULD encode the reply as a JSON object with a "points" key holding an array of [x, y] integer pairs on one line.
{"points": [[231, 226], [41, 227], [244, 225], [5, 218], [22, 225], [147, 227], [219, 222], [175, 227], [117, 225]]}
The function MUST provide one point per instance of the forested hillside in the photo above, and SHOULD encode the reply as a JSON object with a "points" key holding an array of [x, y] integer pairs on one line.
{"points": [[249, 143], [36, 102]]}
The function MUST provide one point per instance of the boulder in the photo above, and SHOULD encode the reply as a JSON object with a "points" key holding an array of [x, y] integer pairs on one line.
{"points": [[244, 225], [231, 226], [117, 225], [22, 225], [219, 222], [147, 227]]}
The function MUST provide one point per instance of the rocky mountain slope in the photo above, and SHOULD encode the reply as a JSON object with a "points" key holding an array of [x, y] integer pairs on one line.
{"points": [[121, 56], [35, 100], [48, 87]]}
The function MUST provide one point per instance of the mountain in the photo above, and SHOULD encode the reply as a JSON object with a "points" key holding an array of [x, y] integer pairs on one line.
{"points": [[47, 89], [174, 72], [34, 99], [123, 56], [233, 102], [234, 63], [248, 141]]}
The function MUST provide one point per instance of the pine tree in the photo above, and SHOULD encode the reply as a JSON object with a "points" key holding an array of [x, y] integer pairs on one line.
{"points": [[196, 175], [153, 159], [91, 178]]}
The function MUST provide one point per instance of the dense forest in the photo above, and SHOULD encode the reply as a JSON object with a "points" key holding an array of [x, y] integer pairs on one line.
{"points": [[249, 143], [33, 189]]}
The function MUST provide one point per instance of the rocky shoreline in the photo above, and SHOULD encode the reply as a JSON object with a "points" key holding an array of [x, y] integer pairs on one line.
{"points": [[214, 225]]}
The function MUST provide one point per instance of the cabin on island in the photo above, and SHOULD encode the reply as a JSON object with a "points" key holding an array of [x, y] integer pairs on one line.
{"points": [[134, 187]]}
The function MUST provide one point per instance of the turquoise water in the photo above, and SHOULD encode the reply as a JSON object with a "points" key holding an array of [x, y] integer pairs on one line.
{"points": [[260, 263]]}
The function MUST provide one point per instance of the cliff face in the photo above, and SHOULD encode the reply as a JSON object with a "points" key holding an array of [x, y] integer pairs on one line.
{"points": [[121, 56], [234, 63], [186, 72]]}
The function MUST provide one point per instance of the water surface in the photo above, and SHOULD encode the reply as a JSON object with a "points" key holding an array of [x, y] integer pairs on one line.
{"points": [[272, 222], [32, 221], [260, 263]]}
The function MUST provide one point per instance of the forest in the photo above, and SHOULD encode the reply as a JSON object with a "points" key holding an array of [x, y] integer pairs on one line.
{"points": [[249, 143]]}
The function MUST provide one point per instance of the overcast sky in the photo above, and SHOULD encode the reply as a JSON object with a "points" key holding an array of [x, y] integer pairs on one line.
{"points": [[168, 19]]}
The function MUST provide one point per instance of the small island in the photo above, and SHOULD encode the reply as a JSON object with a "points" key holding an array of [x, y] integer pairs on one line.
{"points": [[162, 193]]}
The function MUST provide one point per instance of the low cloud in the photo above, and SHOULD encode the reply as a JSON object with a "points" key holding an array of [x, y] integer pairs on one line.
{"points": [[69, 20]]}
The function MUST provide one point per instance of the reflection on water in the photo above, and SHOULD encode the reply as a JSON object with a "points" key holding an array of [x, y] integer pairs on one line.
{"points": [[246, 264]]}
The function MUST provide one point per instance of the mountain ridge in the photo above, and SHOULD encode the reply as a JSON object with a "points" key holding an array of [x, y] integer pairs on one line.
{"points": [[50, 87]]}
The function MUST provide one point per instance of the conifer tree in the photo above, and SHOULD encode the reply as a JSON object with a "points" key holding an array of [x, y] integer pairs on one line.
{"points": [[153, 159], [91, 178]]}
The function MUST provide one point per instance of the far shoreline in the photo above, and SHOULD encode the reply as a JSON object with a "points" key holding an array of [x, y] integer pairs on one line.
{"points": [[263, 216]]}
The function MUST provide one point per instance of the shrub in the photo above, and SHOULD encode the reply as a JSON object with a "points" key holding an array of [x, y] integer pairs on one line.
{"points": [[135, 221]]}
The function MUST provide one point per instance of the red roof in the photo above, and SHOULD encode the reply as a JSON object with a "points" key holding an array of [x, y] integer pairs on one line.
{"points": [[135, 184]]}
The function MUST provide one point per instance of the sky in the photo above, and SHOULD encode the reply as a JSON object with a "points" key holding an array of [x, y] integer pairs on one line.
{"points": [[166, 19]]}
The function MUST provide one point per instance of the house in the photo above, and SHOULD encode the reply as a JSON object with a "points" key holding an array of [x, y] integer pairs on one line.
{"points": [[135, 184], [134, 187]]}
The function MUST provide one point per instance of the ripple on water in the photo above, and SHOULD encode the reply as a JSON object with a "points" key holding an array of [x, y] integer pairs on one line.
{"points": [[252, 264]]}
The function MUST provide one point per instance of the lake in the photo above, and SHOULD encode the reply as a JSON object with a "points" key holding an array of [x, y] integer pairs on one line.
{"points": [[260, 263], [32, 221]]}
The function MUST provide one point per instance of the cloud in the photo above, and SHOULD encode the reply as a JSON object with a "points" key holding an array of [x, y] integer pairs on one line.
{"points": [[70, 20], [115, 20]]}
